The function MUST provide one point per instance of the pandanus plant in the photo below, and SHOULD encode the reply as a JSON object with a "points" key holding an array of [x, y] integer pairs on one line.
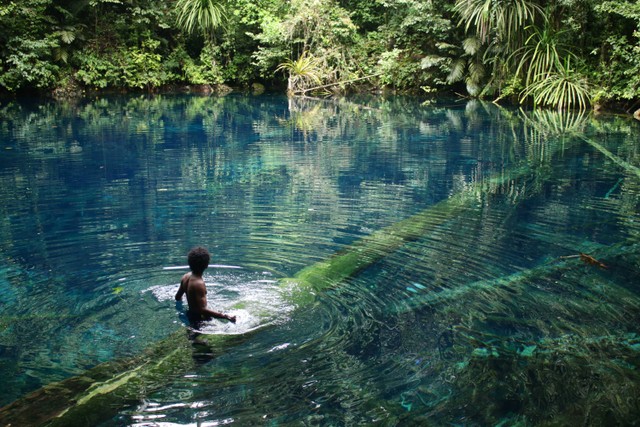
{"points": [[536, 56], [199, 16], [303, 72], [551, 77]]}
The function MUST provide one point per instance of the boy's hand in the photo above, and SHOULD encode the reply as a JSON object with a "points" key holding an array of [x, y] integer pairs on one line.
{"points": [[231, 318]]}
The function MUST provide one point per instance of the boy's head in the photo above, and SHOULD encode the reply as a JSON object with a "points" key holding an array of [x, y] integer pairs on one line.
{"points": [[198, 259]]}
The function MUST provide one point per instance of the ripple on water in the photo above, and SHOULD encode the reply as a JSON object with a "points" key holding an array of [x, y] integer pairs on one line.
{"points": [[256, 299], [91, 232]]}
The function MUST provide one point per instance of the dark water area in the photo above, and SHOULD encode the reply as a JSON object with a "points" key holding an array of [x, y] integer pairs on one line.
{"points": [[492, 317]]}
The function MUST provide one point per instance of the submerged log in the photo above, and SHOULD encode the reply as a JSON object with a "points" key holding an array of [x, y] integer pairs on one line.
{"points": [[617, 160], [516, 281]]}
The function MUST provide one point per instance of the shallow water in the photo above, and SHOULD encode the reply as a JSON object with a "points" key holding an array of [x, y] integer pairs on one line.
{"points": [[479, 320]]}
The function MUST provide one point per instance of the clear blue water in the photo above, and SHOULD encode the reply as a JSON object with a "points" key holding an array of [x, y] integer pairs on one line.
{"points": [[478, 321]]}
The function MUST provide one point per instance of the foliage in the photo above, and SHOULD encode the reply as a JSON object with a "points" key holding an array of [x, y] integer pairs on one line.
{"points": [[272, 47], [539, 59], [468, 66], [320, 28], [142, 67], [133, 67], [97, 70], [564, 88], [497, 34], [496, 21], [619, 69], [199, 16], [398, 70], [203, 70], [499, 48], [303, 72], [415, 44], [544, 63], [26, 48], [29, 64], [542, 54]]}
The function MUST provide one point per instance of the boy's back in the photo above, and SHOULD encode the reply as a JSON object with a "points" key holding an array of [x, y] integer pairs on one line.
{"points": [[196, 290], [193, 285]]}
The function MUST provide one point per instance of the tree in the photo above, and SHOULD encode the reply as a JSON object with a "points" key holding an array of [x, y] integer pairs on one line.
{"points": [[522, 46], [202, 17], [415, 44], [496, 26], [28, 42], [618, 70], [318, 35]]}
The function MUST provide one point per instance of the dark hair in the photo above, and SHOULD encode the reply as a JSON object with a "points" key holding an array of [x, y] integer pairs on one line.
{"points": [[198, 259]]}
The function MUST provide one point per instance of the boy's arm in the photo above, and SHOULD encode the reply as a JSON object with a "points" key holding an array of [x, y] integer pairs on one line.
{"points": [[209, 312], [183, 287], [201, 300]]}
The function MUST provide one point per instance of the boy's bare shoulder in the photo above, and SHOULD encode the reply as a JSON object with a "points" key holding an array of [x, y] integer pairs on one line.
{"points": [[185, 277], [199, 281], [195, 282]]}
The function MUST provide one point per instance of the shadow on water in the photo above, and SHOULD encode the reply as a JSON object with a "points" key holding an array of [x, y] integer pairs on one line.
{"points": [[482, 313]]}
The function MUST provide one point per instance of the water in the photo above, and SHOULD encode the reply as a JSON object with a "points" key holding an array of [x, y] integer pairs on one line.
{"points": [[477, 320]]}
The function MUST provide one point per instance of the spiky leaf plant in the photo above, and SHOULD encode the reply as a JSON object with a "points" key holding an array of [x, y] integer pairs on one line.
{"points": [[542, 54], [501, 18], [199, 15], [564, 89], [303, 72]]}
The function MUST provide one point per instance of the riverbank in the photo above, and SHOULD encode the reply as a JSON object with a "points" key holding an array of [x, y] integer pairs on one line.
{"points": [[74, 92]]}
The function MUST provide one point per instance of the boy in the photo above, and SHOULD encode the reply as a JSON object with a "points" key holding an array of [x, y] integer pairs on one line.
{"points": [[193, 285]]}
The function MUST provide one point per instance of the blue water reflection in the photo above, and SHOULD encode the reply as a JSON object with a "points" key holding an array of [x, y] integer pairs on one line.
{"points": [[490, 317]]}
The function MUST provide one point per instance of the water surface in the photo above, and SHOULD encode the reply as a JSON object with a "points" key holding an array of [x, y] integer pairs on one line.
{"points": [[490, 317]]}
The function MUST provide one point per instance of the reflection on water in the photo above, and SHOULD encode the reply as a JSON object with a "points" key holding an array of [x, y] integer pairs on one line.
{"points": [[489, 317]]}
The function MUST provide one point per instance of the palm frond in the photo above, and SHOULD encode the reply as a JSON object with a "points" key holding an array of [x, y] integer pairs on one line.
{"points": [[67, 36], [457, 71], [431, 61], [473, 88], [505, 18], [476, 71], [471, 45]]}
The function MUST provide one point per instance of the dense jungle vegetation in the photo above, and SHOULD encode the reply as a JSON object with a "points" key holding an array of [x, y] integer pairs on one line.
{"points": [[560, 53]]}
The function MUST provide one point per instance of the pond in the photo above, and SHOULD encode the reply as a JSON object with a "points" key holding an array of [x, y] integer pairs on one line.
{"points": [[390, 262]]}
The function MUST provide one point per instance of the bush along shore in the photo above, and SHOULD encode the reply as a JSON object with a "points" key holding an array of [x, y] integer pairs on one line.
{"points": [[562, 55]]}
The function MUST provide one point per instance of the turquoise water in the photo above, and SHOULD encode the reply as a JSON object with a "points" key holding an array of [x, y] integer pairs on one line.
{"points": [[489, 317]]}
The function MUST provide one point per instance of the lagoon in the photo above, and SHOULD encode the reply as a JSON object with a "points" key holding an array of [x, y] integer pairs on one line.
{"points": [[489, 315]]}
